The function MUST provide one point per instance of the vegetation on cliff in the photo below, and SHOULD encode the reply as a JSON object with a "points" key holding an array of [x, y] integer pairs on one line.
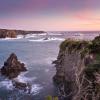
{"points": [[84, 47], [87, 75]]}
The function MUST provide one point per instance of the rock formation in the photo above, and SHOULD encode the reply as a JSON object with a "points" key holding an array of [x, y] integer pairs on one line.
{"points": [[22, 86], [13, 33], [8, 33], [78, 70], [12, 67]]}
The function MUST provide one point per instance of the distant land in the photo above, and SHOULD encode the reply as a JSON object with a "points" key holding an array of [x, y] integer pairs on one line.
{"points": [[13, 33]]}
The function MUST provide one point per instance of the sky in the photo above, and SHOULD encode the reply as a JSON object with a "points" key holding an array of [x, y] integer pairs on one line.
{"points": [[50, 15]]}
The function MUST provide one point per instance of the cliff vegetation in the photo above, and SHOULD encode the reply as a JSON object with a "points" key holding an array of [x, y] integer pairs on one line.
{"points": [[78, 69]]}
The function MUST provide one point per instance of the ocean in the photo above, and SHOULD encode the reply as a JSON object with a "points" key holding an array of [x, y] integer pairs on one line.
{"points": [[37, 51]]}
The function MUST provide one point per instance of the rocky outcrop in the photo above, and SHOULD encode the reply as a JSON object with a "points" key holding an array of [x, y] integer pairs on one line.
{"points": [[78, 70], [22, 86], [12, 67], [7, 33], [4, 33]]}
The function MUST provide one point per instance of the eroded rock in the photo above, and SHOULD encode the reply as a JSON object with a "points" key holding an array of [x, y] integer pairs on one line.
{"points": [[22, 86], [12, 67]]}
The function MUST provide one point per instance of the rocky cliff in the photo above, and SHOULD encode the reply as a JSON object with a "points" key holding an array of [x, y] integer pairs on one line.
{"points": [[78, 70], [13, 33]]}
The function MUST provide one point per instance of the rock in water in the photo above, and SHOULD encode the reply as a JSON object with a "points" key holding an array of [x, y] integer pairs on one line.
{"points": [[12, 67], [22, 86]]}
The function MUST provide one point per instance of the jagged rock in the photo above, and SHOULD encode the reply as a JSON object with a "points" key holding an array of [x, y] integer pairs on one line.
{"points": [[12, 67], [22, 86]]}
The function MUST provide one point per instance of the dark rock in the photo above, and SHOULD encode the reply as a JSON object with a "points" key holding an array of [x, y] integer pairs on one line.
{"points": [[58, 79], [13, 33], [45, 38], [8, 33], [55, 62], [22, 86], [12, 67]]}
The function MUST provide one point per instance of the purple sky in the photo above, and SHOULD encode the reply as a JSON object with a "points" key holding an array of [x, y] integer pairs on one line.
{"points": [[50, 14]]}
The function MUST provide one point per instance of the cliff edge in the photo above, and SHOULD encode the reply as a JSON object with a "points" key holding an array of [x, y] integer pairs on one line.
{"points": [[78, 70]]}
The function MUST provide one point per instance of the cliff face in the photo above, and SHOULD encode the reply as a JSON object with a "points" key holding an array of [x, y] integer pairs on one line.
{"points": [[13, 33], [78, 70], [7, 33]]}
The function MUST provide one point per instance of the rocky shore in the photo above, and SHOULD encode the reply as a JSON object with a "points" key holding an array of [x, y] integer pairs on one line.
{"points": [[13, 33], [78, 70]]}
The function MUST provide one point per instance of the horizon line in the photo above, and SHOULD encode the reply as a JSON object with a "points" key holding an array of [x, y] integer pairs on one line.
{"points": [[50, 30]]}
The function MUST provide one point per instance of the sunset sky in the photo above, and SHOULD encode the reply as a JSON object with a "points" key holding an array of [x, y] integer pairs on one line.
{"points": [[50, 15]]}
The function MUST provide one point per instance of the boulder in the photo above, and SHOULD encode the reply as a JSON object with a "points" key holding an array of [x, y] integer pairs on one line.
{"points": [[22, 86], [12, 67]]}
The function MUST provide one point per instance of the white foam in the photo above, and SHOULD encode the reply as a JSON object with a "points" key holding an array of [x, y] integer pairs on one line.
{"points": [[55, 34], [22, 78], [7, 38], [7, 84], [20, 36], [49, 39], [36, 89], [30, 36]]}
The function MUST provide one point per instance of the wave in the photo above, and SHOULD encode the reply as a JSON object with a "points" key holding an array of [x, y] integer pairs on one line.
{"points": [[6, 83], [22, 78], [47, 39], [8, 38], [55, 34], [36, 89], [30, 36], [18, 37]]}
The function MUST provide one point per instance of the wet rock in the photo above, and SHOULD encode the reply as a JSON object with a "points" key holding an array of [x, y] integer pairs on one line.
{"points": [[22, 86], [45, 38], [12, 67]]}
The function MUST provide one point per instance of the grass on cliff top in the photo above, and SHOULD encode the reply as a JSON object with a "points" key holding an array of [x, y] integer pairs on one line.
{"points": [[74, 44], [83, 46]]}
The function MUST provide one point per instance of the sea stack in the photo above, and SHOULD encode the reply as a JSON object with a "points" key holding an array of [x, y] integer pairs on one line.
{"points": [[12, 67]]}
